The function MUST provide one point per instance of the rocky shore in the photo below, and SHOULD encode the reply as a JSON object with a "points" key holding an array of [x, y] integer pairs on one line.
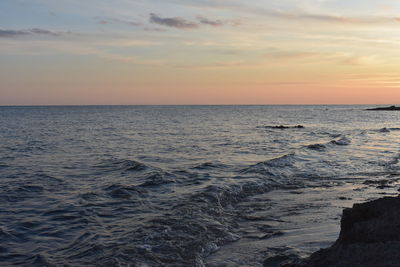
{"points": [[369, 236]]}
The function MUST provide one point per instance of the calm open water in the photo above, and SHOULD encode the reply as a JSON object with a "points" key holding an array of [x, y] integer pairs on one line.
{"points": [[186, 185]]}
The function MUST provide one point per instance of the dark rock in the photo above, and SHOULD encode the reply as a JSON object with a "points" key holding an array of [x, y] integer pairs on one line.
{"points": [[316, 147], [285, 127], [384, 130], [369, 236], [278, 260], [385, 108], [380, 184]]}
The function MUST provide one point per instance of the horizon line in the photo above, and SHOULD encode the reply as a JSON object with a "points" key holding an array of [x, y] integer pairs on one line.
{"points": [[127, 105]]}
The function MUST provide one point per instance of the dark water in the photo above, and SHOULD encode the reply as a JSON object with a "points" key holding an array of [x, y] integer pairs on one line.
{"points": [[185, 185]]}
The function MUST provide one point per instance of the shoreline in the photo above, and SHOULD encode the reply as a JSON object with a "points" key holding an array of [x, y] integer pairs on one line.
{"points": [[369, 236]]}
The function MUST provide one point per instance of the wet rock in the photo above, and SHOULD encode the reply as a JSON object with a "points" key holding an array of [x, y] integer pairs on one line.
{"points": [[369, 236], [316, 147], [280, 259], [385, 108], [380, 184], [285, 127]]}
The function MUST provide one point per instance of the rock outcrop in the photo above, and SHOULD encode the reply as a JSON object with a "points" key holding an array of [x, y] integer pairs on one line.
{"points": [[385, 108], [370, 236]]}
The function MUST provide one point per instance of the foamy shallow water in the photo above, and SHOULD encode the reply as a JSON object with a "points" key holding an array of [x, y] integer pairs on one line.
{"points": [[185, 185]]}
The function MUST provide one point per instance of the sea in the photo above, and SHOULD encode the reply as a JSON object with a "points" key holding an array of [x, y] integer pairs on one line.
{"points": [[186, 185]]}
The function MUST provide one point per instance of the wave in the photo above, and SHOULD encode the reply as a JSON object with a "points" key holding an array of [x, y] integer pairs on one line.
{"points": [[335, 135], [344, 141], [4, 235], [3, 166], [393, 164], [39, 260], [157, 179], [318, 147], [224, 196], [273, 167], [129, 165], [282, 161], [122, 165], [179, 233], [125, 192], [209, 165], [36, 189], [196, 226]]}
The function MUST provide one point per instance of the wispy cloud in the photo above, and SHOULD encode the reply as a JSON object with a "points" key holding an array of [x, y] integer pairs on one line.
{"points": [[207, 21], [390, 80], [102, 20], [154, 29], [34, 31], [99, 49], [277, 56], [297, 14], [174, 22], [320, 57], [181, 23], [214, 65]]}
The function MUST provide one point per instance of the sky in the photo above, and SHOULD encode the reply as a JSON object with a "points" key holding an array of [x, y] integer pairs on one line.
{"points": [[122, 52]]}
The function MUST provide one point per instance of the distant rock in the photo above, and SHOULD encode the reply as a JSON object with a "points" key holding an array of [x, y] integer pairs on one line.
{"points": [[319, 147], [385, 108], [369, 236], [284, 127]]}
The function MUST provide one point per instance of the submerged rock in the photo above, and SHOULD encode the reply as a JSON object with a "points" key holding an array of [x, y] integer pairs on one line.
{"points": [[385, 108], [369, 236]]}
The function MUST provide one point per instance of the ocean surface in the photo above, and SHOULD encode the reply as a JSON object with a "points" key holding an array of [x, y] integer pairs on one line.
{"points": [[186, 185]]}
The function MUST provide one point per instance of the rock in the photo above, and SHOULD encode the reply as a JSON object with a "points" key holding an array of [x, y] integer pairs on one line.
{"points": [[319, 147], [277, 261], [385, 108], [380, 184], [285, 127], [369, 236], [384, 130]]}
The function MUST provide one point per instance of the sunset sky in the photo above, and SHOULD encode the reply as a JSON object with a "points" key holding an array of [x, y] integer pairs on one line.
{"points": [[199, 52]]}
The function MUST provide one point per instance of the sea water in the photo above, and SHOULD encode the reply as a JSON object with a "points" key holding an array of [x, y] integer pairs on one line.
{"points": [[186, 185]]}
